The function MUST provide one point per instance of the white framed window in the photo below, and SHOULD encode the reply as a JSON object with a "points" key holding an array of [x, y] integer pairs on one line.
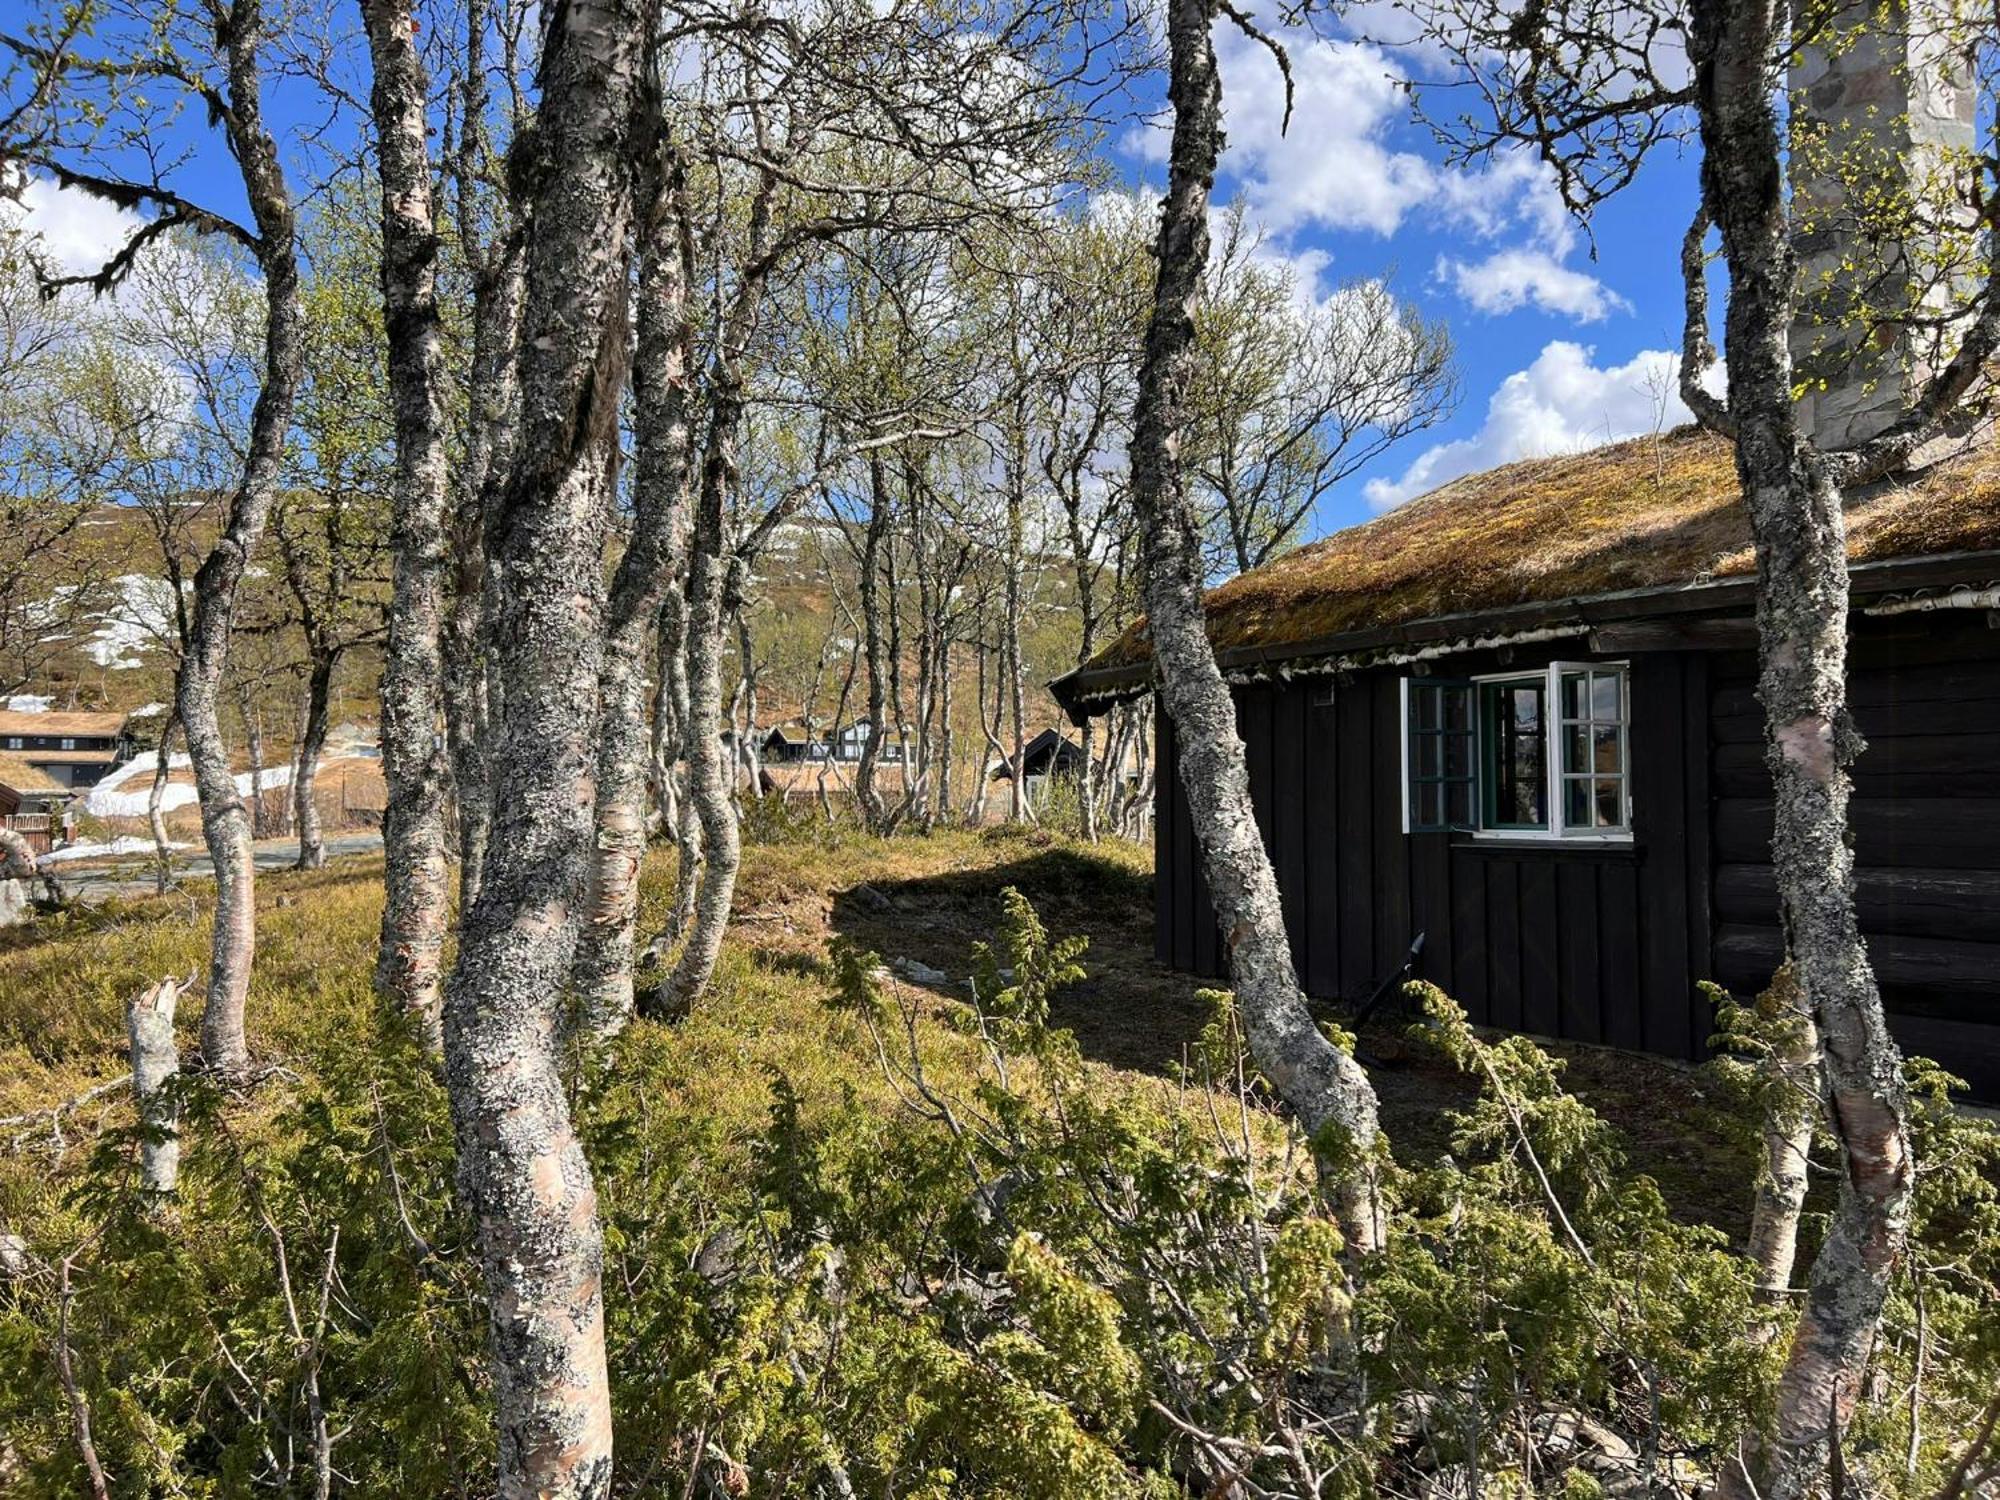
{"points": [[1543, 754]]}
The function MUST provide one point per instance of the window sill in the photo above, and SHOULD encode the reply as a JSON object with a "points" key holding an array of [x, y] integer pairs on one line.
{"points": [[1611, 849]]}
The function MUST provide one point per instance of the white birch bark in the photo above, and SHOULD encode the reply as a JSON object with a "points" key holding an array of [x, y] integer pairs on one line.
{"points": [[1323, 1087], [411, 947], [522, 1170], [156, 1060], [305, 774], [602, 975], [156, 815], [225, 822], [1792, 1078]]}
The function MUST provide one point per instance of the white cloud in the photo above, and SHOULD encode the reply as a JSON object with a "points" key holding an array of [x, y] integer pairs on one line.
{"points": [[78, 233], [1530, 276], [1338, 167], [1334, 166], [1561, 403]]}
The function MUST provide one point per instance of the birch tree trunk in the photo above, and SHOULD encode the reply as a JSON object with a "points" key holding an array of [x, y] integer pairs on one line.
{"points": [[305, 779], [156, 815], [867, 795], [156, 1060], [1791, 1069], [1802, 597], [672, 745], [253, 735], [411, 947], [225, 822], [1323, 1087], [708, 772], [522, 1171], [602, 975], [470, 699]]}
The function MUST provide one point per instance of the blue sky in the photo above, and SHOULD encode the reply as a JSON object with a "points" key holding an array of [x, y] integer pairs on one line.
{"points": [[1557, 350]]}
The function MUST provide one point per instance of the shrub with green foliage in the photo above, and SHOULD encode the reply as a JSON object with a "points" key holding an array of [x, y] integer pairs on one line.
{"points": [[963, 1267]]}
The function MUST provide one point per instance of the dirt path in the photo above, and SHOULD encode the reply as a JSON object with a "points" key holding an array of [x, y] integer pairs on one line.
{"points": [[131, 877]]}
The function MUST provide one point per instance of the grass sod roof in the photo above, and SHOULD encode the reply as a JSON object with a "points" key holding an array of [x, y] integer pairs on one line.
{"points": [[88, 725], [30, 781], [1648, 513]]}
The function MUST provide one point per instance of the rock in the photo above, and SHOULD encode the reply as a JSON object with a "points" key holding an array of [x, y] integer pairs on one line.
{"points": [[873, 899], [1605, 1441], [921, 973], [13, 1255], [15, 902], [720, 1259]]}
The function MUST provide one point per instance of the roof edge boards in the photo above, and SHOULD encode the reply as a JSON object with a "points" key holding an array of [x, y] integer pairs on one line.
{"points": [[1084, 692]]}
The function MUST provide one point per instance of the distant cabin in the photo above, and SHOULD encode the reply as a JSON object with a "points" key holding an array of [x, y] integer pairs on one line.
{"points": [[1518, 716], [793, 743], [75, 750], [1050, 756], [32, 803]]}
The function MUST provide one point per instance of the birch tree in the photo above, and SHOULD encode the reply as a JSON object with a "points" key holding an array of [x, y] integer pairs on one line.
{"points": [[100, 133], [413, 760], [1321, 1084], [522, 1170], [654, 551], [815, 128], [1296, 391]]}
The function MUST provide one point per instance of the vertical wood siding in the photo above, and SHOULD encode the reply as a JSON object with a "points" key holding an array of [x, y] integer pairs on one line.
{"points": [[1606, 944], [1585, 943]]}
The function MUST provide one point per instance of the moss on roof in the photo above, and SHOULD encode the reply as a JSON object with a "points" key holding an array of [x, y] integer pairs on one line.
{"points": [[29, 781], [1649, 513]]}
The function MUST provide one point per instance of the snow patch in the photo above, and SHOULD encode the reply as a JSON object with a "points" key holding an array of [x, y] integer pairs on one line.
{"points": [[142, 617], [127, 791], [124, 844], [28, 703]]}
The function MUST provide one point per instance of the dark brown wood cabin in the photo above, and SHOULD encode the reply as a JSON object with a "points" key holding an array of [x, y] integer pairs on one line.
{"points": [[1518, 716]]}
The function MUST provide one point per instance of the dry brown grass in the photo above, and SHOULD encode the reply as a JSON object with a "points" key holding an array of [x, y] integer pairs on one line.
{"points": [[63, 988], [1649, 513]]}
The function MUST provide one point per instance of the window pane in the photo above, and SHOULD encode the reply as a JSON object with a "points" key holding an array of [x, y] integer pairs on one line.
{"points": [[1428, 755], [1604, 696], [1576, 801], [1424, 702], [1458, 755], [1516, 757], [1458, 804], [1607, 758], [1610, 813], [1457, 708], [1576, 748], [1573, 698], [1429, 805]]}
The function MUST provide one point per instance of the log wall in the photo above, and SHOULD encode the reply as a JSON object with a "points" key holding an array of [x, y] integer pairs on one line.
{"points": [[1606, 943]]}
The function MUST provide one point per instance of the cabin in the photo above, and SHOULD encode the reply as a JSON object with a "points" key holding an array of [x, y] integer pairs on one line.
{"points": [[77, 750], [789, 744], [1518, 717], [32, 803], [1050, 755]]}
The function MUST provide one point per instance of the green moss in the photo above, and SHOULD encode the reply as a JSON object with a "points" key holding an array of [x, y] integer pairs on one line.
{"points": [[1650, 513]]}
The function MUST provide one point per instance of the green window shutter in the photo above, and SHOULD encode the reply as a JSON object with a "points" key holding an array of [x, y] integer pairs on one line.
{"points": [[1440, 746]]}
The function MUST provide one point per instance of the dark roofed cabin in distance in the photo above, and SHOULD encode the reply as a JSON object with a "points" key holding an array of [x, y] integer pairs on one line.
{"points": [[1525, 726], [75, 749]]}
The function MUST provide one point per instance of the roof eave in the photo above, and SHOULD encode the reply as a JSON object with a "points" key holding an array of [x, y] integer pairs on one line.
{"points": [[1086, 691]]}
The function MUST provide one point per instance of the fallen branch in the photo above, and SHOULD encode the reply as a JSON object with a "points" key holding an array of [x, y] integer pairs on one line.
{"points": [[53, 1115]]}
